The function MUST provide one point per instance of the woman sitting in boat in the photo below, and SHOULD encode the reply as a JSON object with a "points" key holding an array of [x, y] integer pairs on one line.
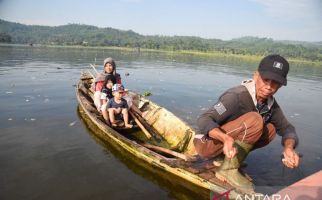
{"points": [[109, 69], [106, 94], [118, 107]]}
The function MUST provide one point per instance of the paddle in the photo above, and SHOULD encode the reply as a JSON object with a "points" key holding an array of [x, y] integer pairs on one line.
{"points": [[147, 134], [142, 121]]}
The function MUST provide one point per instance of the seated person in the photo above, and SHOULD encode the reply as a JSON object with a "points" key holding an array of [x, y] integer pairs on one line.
{"points": [[109, 69], [106, 94], [118, 107]]}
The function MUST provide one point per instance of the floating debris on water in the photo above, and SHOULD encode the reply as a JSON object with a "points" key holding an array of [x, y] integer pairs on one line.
{"points": [[296, 114], [9, 92], [203, 109], [9, 119], [27, 100], [72, 123], [32, 119], [127, 74], [147, 94]]}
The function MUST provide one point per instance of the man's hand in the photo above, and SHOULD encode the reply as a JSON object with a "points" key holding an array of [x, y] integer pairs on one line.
{"points": [[291, 158], [229, 150]]}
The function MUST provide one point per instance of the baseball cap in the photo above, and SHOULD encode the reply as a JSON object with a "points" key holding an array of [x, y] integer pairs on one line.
{"points": [[274, 67], [117, 88]]}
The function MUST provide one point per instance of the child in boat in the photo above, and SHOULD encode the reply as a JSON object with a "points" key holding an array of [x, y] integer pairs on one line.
{"points": [[106, 94], [109, 69], [118, 107]]}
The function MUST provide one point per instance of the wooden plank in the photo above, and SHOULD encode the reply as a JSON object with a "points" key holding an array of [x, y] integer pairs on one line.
{"points": [[207, 175], [216, 181], [210, 165], [192, 170]]}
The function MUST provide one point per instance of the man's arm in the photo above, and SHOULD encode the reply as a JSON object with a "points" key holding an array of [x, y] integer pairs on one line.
{"points": [[289, 137], [209, 121], [229, 150]]}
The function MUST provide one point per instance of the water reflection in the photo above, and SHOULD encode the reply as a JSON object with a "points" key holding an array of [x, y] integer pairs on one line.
{"points": [[38, 83]]}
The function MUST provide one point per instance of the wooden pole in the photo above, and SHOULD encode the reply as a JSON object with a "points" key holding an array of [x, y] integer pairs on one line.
{"points": [[94, 68], [146, 132], [91, 74], [167, 151], [138, 114]]}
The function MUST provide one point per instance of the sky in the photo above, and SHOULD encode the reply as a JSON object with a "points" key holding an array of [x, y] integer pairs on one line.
{"points": [[220, 19]]}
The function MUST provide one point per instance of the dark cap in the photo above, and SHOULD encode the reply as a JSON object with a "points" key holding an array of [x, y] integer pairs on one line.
{"points": [[274, 67]]}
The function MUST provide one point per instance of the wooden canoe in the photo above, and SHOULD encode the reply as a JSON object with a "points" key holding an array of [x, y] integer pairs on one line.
{"points": [[169, 132]]}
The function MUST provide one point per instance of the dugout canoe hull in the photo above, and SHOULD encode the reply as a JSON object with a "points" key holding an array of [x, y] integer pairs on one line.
{"points": [[177, 134]]}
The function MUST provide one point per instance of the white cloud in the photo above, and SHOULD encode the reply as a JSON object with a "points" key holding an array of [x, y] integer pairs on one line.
{"points": [[293, 9]]}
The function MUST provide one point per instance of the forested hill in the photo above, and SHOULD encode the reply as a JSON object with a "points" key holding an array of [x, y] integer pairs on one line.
{"points": [[76, 34]]}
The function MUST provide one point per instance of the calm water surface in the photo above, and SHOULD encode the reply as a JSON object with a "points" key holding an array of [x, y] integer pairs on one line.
{"points": [[47, 152]]}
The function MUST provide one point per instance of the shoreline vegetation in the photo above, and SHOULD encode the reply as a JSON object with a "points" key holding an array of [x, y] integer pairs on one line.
{"points": [[247, 48], [208, 54]]}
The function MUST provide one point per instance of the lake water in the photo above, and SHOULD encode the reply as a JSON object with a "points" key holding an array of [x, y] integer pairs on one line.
{"points": [[47, 152]]}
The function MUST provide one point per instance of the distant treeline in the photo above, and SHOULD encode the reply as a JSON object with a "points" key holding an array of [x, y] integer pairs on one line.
{"points": [[77, 34]]}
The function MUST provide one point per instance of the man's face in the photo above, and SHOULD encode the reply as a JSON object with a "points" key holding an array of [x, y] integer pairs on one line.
{"points": [[265, 88]]}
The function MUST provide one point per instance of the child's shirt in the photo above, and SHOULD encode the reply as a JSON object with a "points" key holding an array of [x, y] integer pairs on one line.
{"points": [[112, 104], [106, 93]]}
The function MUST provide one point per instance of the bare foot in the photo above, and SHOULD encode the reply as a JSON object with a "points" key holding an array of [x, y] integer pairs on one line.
{"points": [[128, 125], [114, 125]]}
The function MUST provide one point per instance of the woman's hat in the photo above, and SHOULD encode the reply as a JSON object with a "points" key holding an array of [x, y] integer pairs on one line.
{"points": [[109, 60]]}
